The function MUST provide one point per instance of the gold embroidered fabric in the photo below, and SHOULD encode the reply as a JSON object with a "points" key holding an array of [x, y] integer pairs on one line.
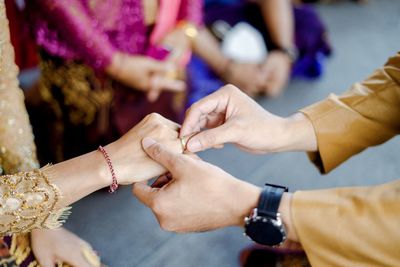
{"points": [[28, 200], [83, 93], [17, 150]]}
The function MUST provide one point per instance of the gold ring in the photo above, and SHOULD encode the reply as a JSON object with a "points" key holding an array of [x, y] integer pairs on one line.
{"points": [[183, 143]]}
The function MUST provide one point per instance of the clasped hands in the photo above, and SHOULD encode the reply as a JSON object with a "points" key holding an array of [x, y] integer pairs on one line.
{"points": [[191, 194]]}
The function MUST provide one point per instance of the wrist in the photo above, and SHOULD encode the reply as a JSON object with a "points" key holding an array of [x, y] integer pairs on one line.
{"points": [[285, 211], [121, 169], [298, 134], [243, 205], [79, 176], [115, 66], [102, 169]]}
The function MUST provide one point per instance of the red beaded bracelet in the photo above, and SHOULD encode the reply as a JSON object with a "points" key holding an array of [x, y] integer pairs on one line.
{"points": [[114, 184]]}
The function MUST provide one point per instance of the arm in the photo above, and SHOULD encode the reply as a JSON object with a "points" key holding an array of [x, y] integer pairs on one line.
{"points": [[37, 199], [349, 226], [207, 47], [278, 16], [368, 114]]}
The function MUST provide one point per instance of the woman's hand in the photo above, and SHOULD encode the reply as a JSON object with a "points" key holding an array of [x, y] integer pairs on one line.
{"points": [[60, 245], [145, 74], [131, 163], [230, 116]]}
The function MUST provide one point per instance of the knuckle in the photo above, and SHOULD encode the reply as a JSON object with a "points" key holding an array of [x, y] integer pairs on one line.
{"points": [[209, 139], [153, 117], [230, 88], [193, 107], [168, 225], [156, 207], [173, 163]]}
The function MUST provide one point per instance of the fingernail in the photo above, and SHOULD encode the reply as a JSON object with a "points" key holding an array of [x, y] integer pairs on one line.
{"points": [[147, 141], [193, 145]]}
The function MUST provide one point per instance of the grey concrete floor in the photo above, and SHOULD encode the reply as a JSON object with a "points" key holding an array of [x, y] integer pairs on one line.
{"points": [[126, 234]]}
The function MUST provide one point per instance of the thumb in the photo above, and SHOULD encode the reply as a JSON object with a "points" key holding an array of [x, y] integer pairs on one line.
{"points": [[162, 155], [215, 137], [144, 193]]}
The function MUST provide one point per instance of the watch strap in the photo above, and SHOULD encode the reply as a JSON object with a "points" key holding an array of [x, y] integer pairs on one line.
{"points": [[270, 199]]}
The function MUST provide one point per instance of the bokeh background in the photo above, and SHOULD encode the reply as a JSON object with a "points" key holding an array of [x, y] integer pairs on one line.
{"points": [[125, 233]]}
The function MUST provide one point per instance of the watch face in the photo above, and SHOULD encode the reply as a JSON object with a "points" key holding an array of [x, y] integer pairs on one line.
{"points": [[265, 231]]}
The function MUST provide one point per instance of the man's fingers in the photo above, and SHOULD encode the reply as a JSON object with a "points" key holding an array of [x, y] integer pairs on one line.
{"points": [[162, 155], [195, 115], [210, 138], [144, 193]]}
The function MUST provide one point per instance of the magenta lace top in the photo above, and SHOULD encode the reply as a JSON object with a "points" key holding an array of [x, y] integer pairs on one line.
{"points": [[92, 30]]}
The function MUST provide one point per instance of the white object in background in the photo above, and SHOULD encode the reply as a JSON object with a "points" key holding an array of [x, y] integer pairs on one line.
{"points": [[244, 44]]}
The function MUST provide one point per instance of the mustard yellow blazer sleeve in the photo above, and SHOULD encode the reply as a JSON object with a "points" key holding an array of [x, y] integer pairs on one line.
{"points": [[366, 115], [358, 226]]}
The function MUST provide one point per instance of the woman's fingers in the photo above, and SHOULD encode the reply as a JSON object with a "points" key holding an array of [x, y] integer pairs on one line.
{"points": [[165, 83], [84, 256], [45, 260]]}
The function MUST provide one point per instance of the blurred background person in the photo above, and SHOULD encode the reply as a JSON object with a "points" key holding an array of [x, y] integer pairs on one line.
{"points": [[291, 42], [104, 66]]}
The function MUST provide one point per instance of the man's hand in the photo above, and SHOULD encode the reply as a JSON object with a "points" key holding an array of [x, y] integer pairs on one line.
{"points": [[198, 196], [276, 72], [229, 116]]}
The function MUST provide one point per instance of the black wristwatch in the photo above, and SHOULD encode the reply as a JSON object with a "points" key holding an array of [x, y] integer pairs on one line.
{"points": [[264, 225]]}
